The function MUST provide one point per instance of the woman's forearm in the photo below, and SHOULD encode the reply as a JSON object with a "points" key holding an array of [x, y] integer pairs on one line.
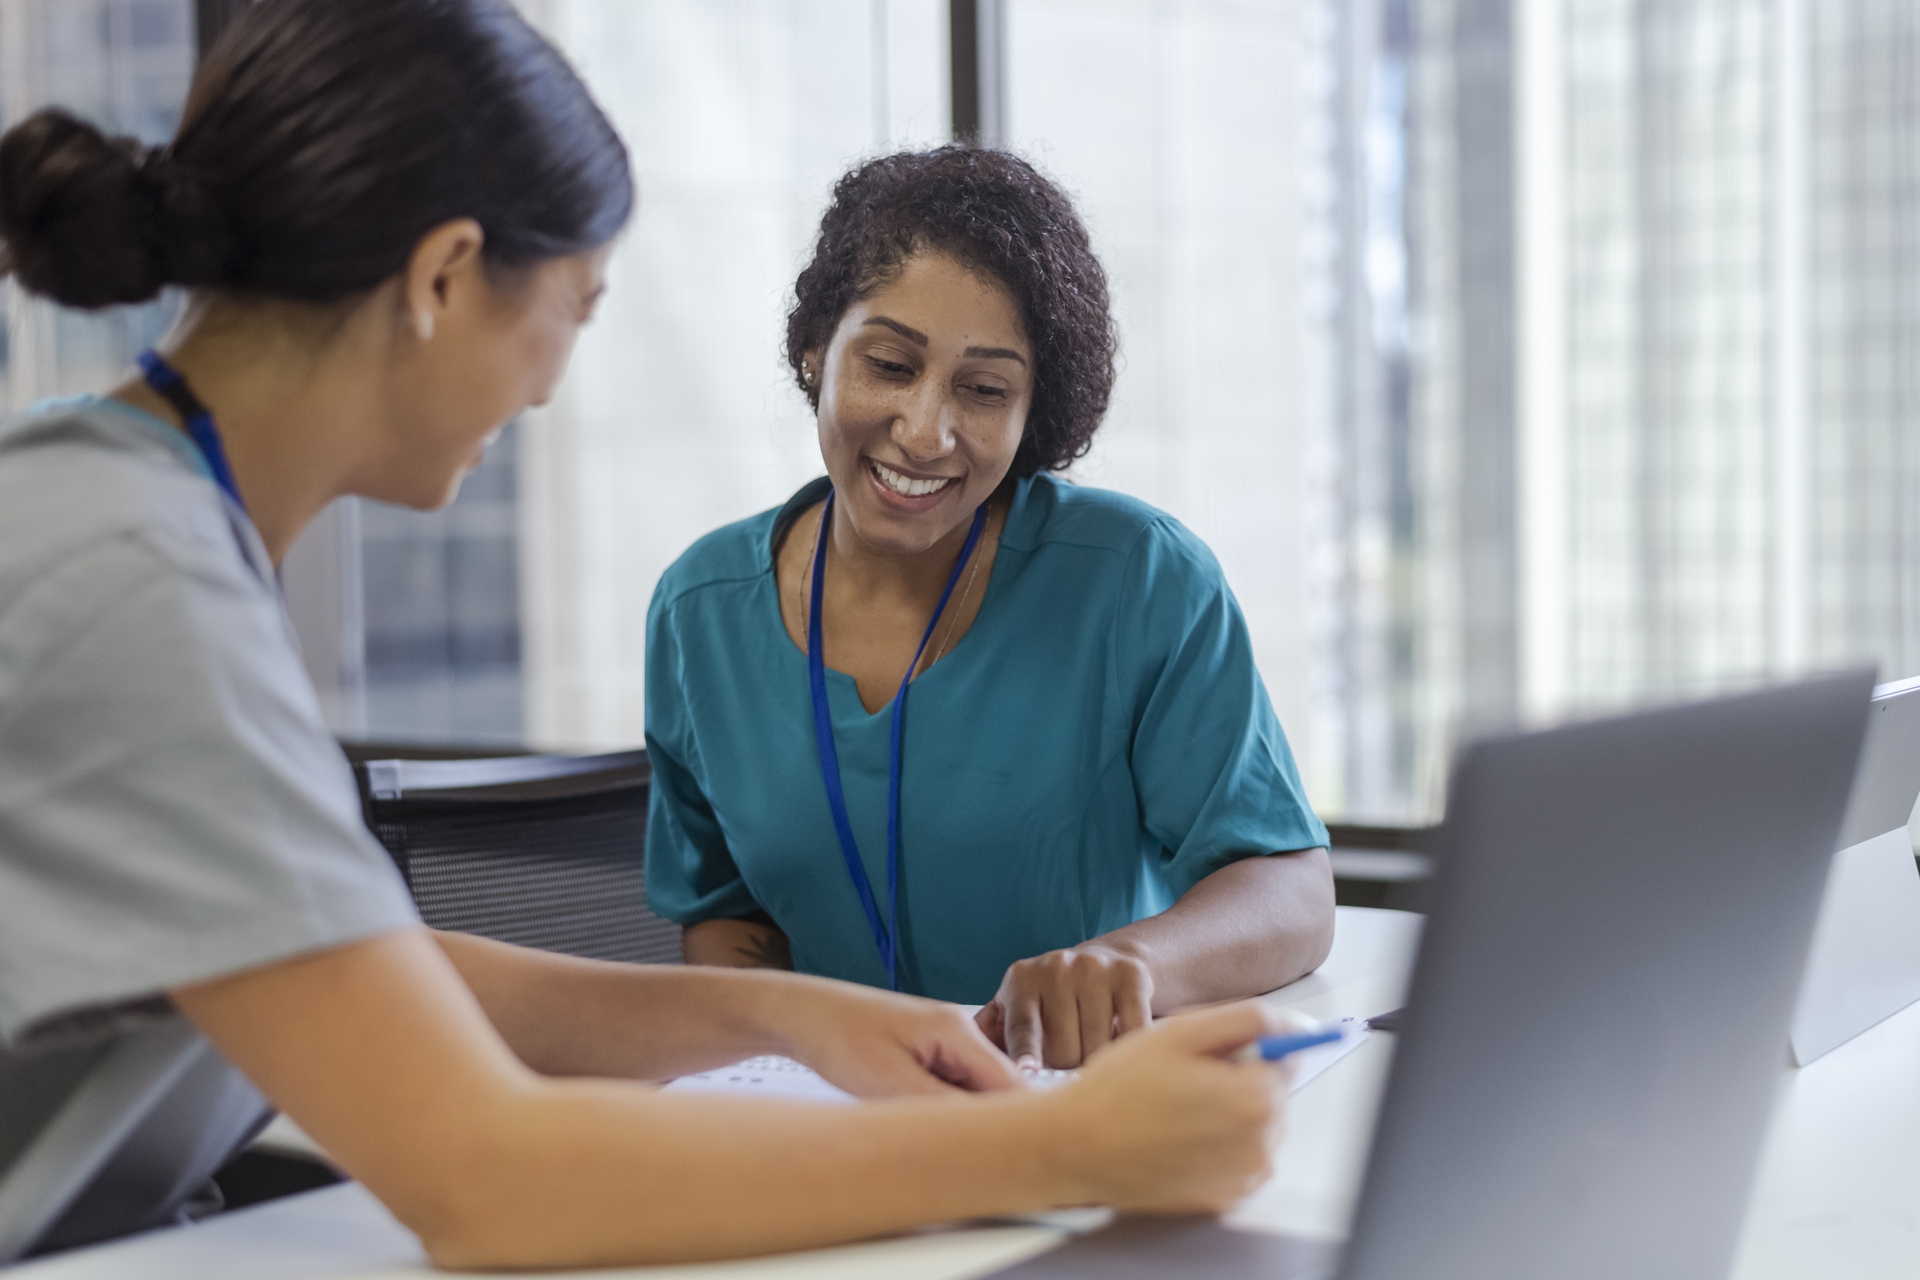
{"points": [[379, 1050], [592, 1173], [1248, 928], [566, 1016]]}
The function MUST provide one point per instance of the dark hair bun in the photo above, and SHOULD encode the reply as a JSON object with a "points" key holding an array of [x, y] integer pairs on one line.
{"points": [[320, 140], [78, 213]]}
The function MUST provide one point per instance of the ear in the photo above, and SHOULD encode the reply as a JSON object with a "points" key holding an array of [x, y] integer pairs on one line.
{"points": [[442, 267]]}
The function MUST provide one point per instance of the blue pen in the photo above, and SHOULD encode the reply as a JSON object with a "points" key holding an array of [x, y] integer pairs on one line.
{"points": [[1274, 1048]]}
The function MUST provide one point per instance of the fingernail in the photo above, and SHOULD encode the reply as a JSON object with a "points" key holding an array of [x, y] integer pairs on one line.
{"points": [[1027, 1062]]}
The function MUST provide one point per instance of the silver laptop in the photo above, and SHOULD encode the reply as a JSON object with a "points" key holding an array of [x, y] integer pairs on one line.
{"points": [[1865, 963], [1593, 1035]]}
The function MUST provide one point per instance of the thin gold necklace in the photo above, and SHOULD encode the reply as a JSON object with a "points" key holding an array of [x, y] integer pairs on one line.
{"points": [[959, 607]]}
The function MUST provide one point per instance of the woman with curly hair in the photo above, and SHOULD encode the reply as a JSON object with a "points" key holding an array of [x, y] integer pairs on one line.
{"points": [[1086, 814]]}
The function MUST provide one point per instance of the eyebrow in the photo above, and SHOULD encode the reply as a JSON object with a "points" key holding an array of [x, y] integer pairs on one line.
{"points": [[914, 336], [919, 339]]}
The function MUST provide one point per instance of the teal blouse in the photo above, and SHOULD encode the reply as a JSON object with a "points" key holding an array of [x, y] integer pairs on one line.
{"points": [[1096, 744]]}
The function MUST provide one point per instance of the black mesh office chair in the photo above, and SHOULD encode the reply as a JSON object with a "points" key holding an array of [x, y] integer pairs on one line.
{"points": [[542, 851]]}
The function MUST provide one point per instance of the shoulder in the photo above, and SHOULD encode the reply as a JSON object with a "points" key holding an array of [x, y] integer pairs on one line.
{"points": [[1139, 537], [84, 466], [95, 434], [738, 554], [80, 490], [733, 554]]}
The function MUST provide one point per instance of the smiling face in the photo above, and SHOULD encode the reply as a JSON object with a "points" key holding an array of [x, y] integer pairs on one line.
{"points": [[924, 391]]}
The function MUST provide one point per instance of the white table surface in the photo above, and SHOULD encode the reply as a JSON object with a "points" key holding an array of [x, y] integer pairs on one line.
{"points": [[1838, 1196]]}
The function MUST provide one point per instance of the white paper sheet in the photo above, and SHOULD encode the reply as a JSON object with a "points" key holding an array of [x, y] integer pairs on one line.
{"points": [[1309, 1063], [776, 1077]]}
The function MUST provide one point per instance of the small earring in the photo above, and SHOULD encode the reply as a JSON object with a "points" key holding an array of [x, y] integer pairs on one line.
{"points": [[806, 374], [423, 325]]}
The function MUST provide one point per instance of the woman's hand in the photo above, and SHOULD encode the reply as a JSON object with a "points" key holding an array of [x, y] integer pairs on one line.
{"points": [[877, 1044], [1058, 1008], [1250, 927], [1164, 1122]]}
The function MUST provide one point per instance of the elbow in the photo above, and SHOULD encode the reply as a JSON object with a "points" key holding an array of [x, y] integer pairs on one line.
{"points": [[451, 1247], [477, 1201], [468, 1249], [514, 1192], [466, 1233], [457, 1211], [445, 1225], [1316, 914], [1319, 943]]}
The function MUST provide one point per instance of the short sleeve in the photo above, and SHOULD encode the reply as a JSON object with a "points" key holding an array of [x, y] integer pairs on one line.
{"points": [[1215, 778], [172, 807], [691, 874]]}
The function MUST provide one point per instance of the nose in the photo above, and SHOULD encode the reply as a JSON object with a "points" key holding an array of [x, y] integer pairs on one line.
{"points": [[923, 428]]}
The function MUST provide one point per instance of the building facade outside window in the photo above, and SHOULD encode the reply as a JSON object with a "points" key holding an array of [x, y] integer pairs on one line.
{"points": [[1680, 386], [1518, 360]]}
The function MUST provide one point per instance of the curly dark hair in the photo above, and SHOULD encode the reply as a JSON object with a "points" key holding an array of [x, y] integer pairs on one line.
{"points": [[997, 215]]}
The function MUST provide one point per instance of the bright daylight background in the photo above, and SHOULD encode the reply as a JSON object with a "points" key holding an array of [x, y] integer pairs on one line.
{"points": [[1516, 358]]}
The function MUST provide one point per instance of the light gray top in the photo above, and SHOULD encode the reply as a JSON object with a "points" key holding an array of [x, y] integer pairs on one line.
{"points": [[172, 806]]}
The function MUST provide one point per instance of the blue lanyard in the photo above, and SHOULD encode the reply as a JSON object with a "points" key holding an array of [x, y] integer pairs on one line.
{"points": [[166, 380], [883, 935]]}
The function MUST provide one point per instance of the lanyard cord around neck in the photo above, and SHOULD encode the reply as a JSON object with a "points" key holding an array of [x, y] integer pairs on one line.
{"points": [[170, 386], [885, 935]]}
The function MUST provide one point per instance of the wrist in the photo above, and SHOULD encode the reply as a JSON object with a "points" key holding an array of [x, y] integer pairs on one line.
{"points": [[769, 1009], [1135, 948], [795, 1010], [1068, 1147]]}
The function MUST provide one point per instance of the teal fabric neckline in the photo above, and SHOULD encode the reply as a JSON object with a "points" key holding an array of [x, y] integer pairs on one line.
{"points": [[983, 619]]}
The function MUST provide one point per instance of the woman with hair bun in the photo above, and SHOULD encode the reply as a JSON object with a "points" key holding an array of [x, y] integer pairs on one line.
{"points": [[392, 218], [1087, 816]]}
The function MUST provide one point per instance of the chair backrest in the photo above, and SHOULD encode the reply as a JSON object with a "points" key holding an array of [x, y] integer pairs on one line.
{"points": [[543, 851]]}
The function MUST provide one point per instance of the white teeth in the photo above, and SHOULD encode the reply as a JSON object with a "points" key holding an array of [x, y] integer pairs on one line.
{"points": [[905, 487]]}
